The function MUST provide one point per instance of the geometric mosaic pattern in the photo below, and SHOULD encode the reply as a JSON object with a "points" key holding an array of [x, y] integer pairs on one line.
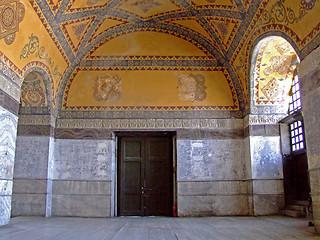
{"points": [[11, 14], [271, 89]]}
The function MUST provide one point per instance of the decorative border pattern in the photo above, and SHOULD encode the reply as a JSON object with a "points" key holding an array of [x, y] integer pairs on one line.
{"points": [[150, 124], [263, 119], [37, 120], [80, 133]]}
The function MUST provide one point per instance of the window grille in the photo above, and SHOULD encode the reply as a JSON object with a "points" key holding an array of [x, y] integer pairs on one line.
{"points": [[297, 136], [295, 103]]}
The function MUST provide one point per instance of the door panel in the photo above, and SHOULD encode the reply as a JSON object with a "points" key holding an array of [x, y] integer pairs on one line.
{"points": [[159, 176], [301, 177], [131, 168], [145, 176], [296, 179]]}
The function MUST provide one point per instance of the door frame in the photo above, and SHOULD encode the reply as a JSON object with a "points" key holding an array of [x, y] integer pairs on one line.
{"points": [[115, 171]]}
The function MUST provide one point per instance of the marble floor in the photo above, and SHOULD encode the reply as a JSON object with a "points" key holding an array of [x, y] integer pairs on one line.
{"points": [[157, 228]]}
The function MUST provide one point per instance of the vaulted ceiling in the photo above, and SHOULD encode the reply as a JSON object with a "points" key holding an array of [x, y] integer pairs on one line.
{"points": [[152, 52]]}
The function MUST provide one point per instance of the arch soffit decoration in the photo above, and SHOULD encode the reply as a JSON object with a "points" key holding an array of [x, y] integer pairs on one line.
{"points": [[269, 90], [37, 90]]}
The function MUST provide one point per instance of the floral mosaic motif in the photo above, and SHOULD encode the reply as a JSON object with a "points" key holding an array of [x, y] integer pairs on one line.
{"points": [[284, 48], [272, 89], [146, 5], [279, 64], [192, 87], [279, 12], [32, 91], [79, 29], [93, 2], [33, 47], [305, 6], [107, 88], [223, 28], [11, 14]]}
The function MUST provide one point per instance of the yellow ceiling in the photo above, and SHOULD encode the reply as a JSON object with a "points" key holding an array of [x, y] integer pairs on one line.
{"points": [[150, 44]]}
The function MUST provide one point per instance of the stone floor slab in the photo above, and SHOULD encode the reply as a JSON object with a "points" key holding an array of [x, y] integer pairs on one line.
{"points": [[158, 228]]}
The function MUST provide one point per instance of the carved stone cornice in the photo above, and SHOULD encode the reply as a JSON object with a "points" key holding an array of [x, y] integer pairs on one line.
{"points": [[263, 119], [150, 124], [37, 120]]}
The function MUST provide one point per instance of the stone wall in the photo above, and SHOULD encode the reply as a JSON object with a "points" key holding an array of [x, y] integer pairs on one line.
{"points": [[264, 165], [223, 168], [31, 195], [211, 172], [309, 74], [82, 178]]}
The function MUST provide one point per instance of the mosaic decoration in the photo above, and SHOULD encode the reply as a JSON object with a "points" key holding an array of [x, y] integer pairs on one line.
{"points": [[283, 14], [33, 91], [107, 88], [146, 5], [305, 6], [192, 87], [271, 90], [11, 14], [273, 74], [79, 29], [33, 47], [279, 12], [227, 35], [279, 64], [93, 2]]}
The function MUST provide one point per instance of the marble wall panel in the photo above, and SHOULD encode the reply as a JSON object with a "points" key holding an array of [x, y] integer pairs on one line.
{"points": [[212, 205], [268, 186], [61, 187], [82, 159], [5, 209], [268, 204], [81, 198], [81, 205], [215, 159], [28, 204], [30, 186], [5, 187], [266, 157], [212, 188], [8, 132], [29, 197], [32, 157]]}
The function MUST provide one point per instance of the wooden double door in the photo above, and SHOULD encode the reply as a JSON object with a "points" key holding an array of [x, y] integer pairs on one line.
{"points": [[145, 176]]}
